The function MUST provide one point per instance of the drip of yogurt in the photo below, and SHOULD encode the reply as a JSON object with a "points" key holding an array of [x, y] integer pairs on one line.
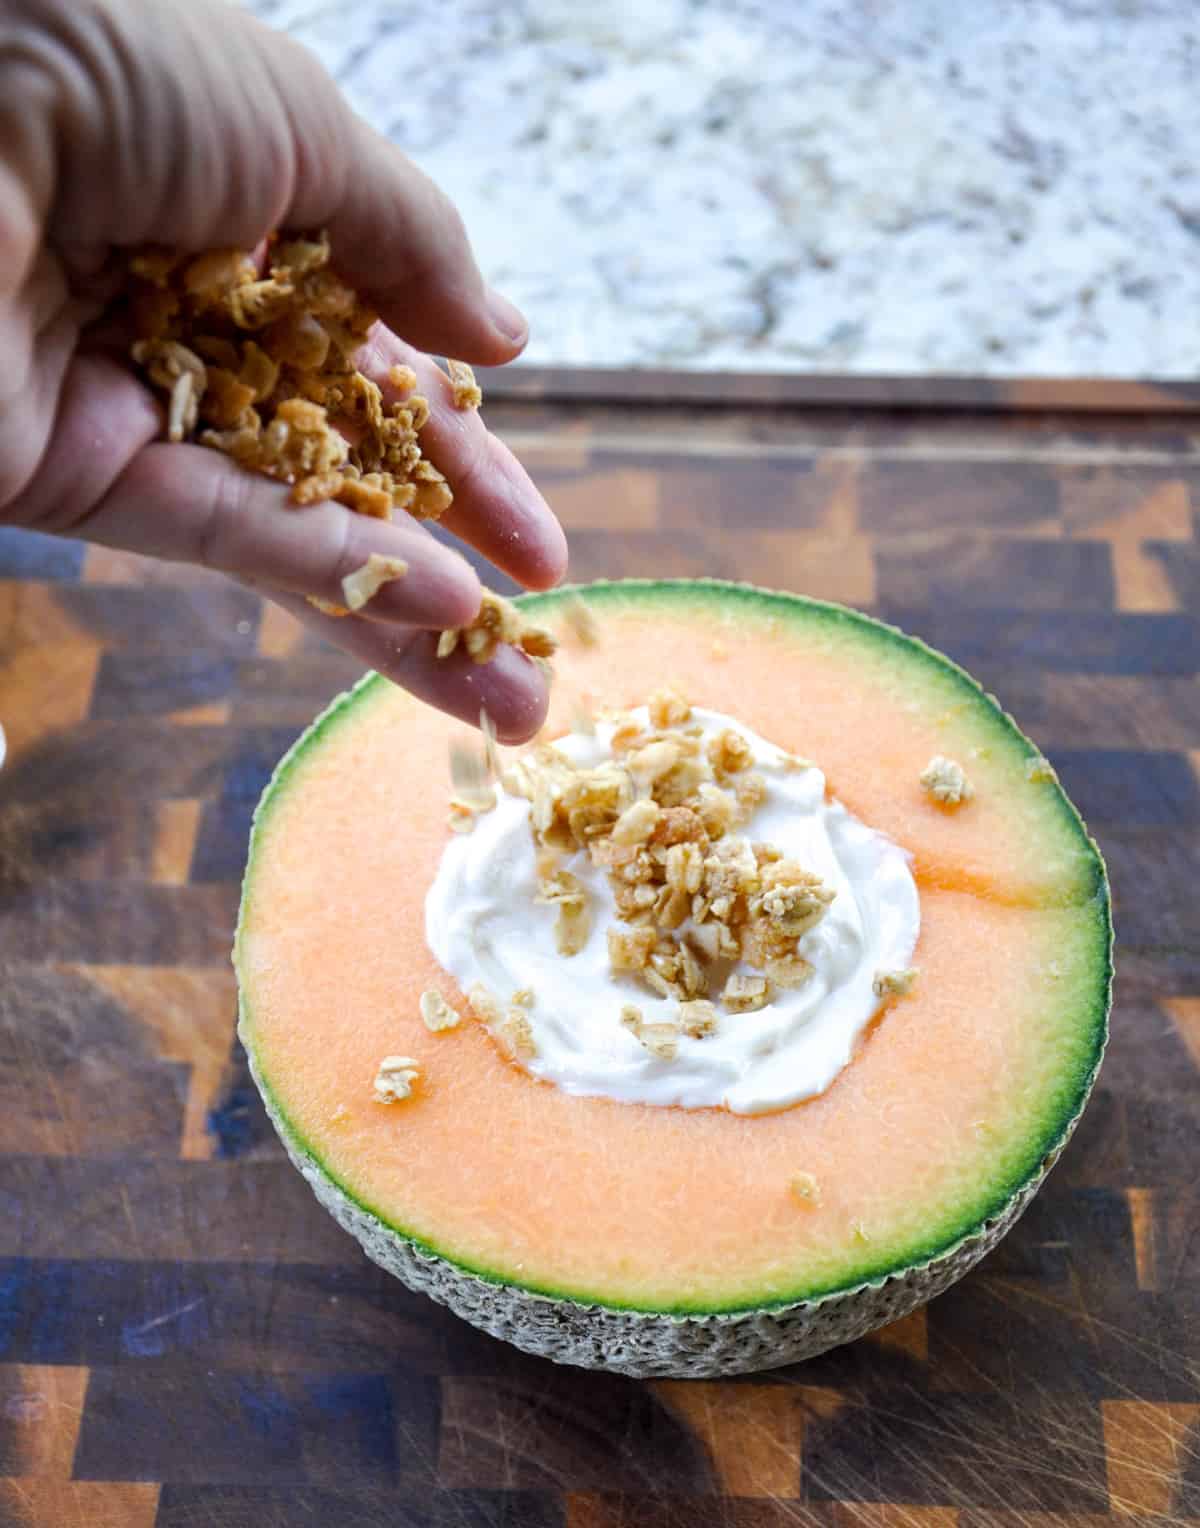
{"points": [[483, 926]]}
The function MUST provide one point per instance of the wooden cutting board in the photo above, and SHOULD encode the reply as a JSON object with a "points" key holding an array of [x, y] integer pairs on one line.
{"points": [[186, 1338]]}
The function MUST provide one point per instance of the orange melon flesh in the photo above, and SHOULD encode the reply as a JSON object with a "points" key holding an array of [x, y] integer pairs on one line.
{"points": [[952, 1102]]}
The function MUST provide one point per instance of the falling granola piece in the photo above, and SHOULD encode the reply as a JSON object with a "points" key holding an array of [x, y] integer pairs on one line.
{"points": [[437, 1012], [469, 777], [746, 994], [361, 586], [491, 746], [806, 1189], [467, 392], [395, 1079], [581, 621], [895, 983], [945, 781]]}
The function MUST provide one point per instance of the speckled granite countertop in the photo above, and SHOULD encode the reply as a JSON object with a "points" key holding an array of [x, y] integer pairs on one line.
{"points": [[858, 185]]}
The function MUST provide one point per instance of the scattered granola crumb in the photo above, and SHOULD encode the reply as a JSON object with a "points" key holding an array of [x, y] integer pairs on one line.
{"points": [[945, 781], [581, 621], [395, 1079], [860, 1232], [1040, 771], [746, 994], [364, 583], [515, 1034], [437, 1012], [895, 983], [467, 392], [447, 642], [340, 1115], [484, 1006], [402, 378], [631, 1019], [523, 997], [805, 1187], [698, 1018], [661, 1040]]}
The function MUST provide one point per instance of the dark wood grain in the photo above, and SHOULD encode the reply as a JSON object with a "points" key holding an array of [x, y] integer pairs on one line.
{"points": [[187, 1340]]}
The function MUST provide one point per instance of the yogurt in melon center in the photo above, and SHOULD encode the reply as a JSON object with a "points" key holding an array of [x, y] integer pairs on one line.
{"points": [[485, 927]]}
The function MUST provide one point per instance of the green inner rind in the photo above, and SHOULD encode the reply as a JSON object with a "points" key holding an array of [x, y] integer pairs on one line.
{"points": [[1060, 1110]]}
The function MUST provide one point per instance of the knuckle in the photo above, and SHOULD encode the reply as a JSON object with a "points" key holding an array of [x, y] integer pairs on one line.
{"points": [[220, 536]]}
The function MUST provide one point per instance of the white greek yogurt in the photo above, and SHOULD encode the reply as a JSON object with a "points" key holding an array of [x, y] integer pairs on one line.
{"points": [[483, 926]]}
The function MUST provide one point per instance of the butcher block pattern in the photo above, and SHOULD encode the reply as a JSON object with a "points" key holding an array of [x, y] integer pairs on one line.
{"points": [[186, 1338]]}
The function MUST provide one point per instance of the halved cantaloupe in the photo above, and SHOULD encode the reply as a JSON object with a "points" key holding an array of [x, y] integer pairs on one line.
{"points": [[663, 1240]]}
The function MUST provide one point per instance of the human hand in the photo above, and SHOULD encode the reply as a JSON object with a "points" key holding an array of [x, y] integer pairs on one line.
{"points": [[125, 122]]}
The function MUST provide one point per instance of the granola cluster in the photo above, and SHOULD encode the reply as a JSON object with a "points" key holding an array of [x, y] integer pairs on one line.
{"points": [[262, 368], [661, 819]]}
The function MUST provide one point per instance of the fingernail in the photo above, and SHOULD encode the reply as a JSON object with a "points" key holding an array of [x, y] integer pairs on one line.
{"points": [[509, 320]]}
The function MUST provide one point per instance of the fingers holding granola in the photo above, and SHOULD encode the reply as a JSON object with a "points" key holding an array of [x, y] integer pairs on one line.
{"points": [[188, 504], [496, 509], [511, 687]]}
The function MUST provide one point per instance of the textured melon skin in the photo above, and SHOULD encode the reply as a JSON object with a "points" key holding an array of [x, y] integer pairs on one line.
{"points": [[647, 1343], [643, 1344]]}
